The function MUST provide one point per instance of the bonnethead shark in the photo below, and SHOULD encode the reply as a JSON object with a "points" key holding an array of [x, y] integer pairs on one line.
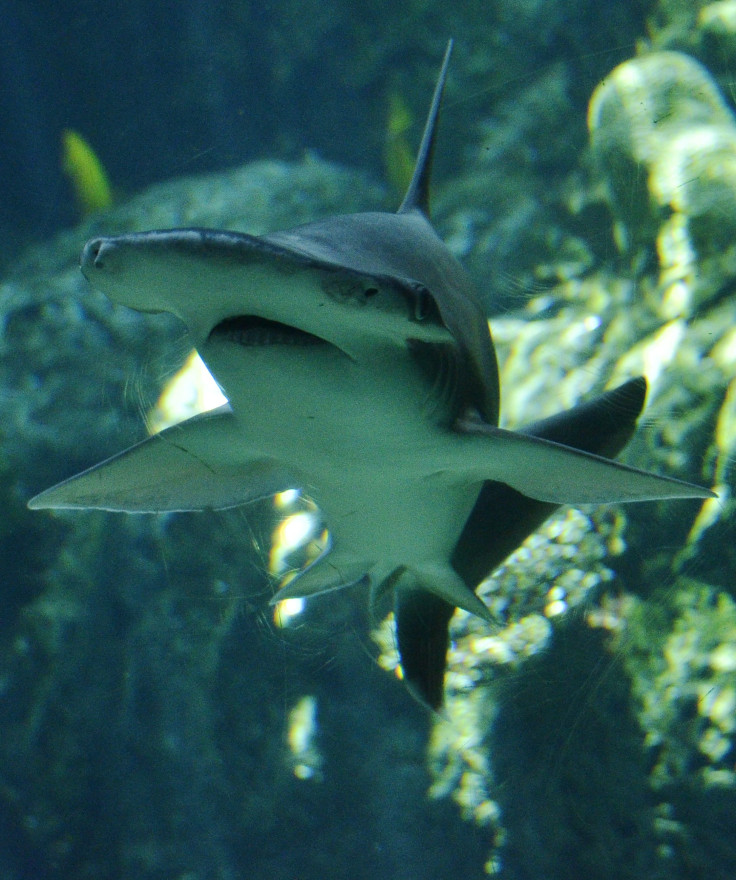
{"points": [[359, 367]]}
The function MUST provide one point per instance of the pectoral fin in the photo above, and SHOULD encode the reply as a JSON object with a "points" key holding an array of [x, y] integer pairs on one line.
{"points": [[558, 474], [198, 464]]}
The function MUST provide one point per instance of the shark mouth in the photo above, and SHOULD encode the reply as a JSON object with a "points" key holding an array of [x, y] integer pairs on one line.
{"points": [[252, 331]]}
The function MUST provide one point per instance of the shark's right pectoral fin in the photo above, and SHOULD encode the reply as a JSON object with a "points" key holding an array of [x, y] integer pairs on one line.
{"points": [[548, 471], [201, 463]]}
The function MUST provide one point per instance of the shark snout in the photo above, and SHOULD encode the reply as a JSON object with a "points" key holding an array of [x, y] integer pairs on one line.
{"points": [[143, 271]]}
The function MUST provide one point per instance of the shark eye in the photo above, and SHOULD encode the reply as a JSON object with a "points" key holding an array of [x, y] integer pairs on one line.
{"points": [[370, 291]]}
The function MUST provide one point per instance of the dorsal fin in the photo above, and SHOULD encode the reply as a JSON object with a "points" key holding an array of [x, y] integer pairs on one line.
{"points": [[417, 196]]}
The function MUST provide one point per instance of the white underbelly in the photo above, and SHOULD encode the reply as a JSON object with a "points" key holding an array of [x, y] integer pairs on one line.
{"points": [[367, 443]]}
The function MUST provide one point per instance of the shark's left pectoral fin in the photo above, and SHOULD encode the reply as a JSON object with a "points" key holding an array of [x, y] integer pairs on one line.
{"points": [[196, 465], [559, 474]]}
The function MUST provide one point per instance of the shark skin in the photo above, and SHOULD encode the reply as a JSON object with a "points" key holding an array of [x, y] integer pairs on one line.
{"points": [[359, 367]]}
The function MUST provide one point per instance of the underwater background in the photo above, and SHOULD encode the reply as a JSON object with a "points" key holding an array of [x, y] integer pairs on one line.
{"points": [[156, 720]]}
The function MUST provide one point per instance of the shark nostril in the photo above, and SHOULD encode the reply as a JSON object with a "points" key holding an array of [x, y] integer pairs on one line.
{"points": [[92, 254]]}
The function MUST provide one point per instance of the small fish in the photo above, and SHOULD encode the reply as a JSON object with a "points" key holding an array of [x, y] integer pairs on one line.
{"points": [[398, 158], [85, 172], [358, 364]]}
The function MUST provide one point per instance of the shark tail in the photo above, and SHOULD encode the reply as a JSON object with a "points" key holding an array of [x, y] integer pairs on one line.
{"points": [[422, 623]]}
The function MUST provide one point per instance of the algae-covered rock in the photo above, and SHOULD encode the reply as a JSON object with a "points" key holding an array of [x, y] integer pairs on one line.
{"points": [[684, 698], [598, 729], [700, 27], [664, 141], [716, 25]]}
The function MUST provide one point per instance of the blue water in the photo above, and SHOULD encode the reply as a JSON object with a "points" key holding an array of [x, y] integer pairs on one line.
{"points": [[155, 722]]}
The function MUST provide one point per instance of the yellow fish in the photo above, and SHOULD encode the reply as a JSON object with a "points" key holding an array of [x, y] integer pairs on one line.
{"points": [[85, 172], [398, 156]]}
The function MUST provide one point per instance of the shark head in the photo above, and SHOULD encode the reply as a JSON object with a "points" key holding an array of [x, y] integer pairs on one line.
{"points": [[290, 280], [360, 282], [358, 364]]}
